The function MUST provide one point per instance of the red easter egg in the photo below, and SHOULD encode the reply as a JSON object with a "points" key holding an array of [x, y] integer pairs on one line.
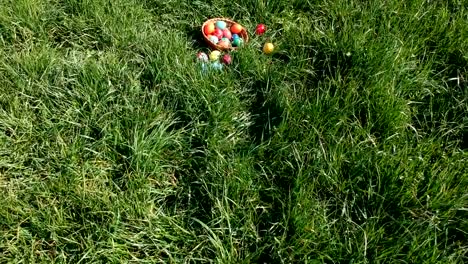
{"points": [[227, 34], [261, 28], [227, 59], [218, 33]]}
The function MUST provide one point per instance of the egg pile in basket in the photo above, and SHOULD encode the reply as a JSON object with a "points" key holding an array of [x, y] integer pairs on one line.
{"points": [[224, 34]]}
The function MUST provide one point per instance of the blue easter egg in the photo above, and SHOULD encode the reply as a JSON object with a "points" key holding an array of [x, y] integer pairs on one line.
{"points": [[235, 36], [221, 25], [217, 66], [204, 68]]}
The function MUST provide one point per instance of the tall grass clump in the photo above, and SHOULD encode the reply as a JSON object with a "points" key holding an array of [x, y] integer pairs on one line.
{"points": [[347, 145]]}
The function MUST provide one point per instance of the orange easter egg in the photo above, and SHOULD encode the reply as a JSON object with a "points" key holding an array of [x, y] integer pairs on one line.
{"points": [[209, 28], [236, 28], [224, 44]]}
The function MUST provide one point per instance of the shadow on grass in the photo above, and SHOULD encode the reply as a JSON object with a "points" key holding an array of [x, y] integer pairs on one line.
{"points": [[192, 194], [278, 196], [446, 110], [118, 176], [195, 37], [267, 114]]}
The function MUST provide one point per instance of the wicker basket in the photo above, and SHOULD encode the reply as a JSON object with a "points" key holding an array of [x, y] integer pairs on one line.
{"points": [[244, 35]]}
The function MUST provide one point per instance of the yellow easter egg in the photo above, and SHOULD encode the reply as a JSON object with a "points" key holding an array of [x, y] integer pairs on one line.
{"points": [[268, 48], [214, 55]]}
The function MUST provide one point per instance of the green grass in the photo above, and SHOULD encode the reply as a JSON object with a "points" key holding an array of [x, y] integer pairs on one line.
{"points": [[349, 145]]}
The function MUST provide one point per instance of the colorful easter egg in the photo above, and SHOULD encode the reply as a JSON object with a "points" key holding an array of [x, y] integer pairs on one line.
{"points": [[204, 68], [268, 48], [261, 28], [213, 39], [218, 33], [224, 43], [237, 42], [235, 36], [209, 29], [214, 55], [236, 28], [221, 24], [201, 56], [227, 34], [227, 59], [217, 66]]}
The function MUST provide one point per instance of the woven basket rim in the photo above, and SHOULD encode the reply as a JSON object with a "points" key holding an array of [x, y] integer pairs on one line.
{"points": [[244, 33]]}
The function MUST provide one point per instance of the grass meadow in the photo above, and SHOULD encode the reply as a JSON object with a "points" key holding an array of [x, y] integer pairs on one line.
{"points": [[348, 145]]}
